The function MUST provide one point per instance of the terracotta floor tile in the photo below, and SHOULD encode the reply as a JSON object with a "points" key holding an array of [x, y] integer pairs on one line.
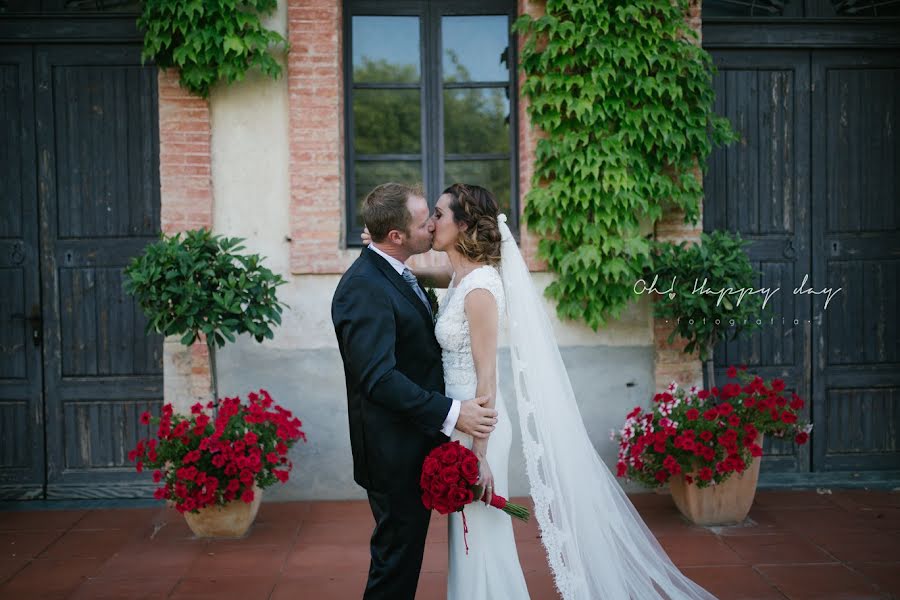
{"points": [[886, 575], [325, 551], [115, 518], [10, 566], [148, 561], [785, 499], [224, 588], [15, 520], [146, 588], [820, 582], [26, 544], [883, 518], [861, 546], [777, 549], [651, 501], [541, 586], [437, 528], [695, 550], [320, 587], [758, 522], [533, 557], [260, 561], [668, 521], [342, 510], [50, 576], [333, 532], [813, 521], [95, 543], [733, 583], [325, 559], [283, 512], [432, 586], [166, 526], [435, 560], [866, 497], [269, 534]]}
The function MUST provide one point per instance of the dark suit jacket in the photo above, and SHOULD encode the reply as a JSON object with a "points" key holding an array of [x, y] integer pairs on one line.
{"points": [[395, 381]]}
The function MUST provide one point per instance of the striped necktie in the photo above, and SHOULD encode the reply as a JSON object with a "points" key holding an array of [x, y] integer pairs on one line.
{"points": [[409, 278]]}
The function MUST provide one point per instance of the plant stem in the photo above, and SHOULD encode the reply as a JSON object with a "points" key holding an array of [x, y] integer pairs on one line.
{"points": [[710, 365], [213, 383]]}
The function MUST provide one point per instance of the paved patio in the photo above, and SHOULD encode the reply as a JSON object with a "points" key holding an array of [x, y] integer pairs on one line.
{"points": [[798, 545]]}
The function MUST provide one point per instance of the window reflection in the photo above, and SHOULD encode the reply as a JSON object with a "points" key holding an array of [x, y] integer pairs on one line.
{"points": [[490, 174], [385, 49], [475, 48], [476, 121], [387, 121]]}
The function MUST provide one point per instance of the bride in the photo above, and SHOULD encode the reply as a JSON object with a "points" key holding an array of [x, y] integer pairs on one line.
{"points": [[597, 545]]}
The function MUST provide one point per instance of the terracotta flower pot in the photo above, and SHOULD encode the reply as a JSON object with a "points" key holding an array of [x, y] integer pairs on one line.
{"points": [[726, 503], [231, 520]]}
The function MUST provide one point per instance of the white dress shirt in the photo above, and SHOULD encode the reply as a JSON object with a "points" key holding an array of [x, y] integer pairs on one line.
{"points": [[453, 415]]}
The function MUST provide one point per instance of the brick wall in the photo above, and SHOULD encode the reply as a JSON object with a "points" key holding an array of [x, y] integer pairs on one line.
{"points": [[671, 363], [186, 202], [315, 104]]}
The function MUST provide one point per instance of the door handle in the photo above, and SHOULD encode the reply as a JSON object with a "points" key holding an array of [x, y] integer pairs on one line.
{"points": [[34, 319]]}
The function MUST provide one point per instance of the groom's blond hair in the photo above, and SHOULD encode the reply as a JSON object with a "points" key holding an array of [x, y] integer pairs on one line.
{"points": [[384, 209]]}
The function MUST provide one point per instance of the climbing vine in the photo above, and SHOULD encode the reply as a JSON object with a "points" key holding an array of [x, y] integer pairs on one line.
{"points": [[623, 93], [210, 41]]}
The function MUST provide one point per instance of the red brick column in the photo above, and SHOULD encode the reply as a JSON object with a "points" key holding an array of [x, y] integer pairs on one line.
{"points": [[528, 138], [186, 202], [315, 101], [671, 363]]}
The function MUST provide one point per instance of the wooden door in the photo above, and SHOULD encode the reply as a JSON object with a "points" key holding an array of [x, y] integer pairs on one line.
{"points": [[759, 187], [856, 236], [98, 195], [21, 399]]}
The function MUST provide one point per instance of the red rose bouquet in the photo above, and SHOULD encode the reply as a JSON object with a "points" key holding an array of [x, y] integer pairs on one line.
{"points": [[201, 460], [449, 481], [706, 435]]}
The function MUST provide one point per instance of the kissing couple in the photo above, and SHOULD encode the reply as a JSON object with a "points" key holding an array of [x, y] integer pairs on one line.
{"points": [[416, 379]]}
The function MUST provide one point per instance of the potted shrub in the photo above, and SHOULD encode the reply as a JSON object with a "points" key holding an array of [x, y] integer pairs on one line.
{"points": [[717, 263], [198, 286], [214, 469], [707, 444]]}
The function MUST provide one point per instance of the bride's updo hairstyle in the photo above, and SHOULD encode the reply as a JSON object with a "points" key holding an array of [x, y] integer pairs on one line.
{"points": [[477, 208]]}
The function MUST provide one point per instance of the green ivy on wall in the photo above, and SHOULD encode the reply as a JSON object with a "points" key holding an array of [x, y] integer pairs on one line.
{"points": [[624, 95], [209, 41]]}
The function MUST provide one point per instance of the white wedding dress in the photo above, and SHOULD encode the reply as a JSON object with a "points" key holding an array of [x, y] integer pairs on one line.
{"points": [[597, 545], [490, 570]]}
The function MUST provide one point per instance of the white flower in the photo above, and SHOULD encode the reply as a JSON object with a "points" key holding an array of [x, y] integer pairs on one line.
{"points": [[612, 435], [808, 428], [694, 390], [672, 387]]}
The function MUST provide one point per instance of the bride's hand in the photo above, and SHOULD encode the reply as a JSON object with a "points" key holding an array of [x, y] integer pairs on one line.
{"points": [[365, 237], [486, 480]]}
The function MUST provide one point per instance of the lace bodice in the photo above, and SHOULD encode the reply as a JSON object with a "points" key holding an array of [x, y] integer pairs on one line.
{"points": [[452, 328]]}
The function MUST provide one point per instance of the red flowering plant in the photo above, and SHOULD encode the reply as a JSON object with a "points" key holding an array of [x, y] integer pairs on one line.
{"points": [[203, 461], [706, 435]]}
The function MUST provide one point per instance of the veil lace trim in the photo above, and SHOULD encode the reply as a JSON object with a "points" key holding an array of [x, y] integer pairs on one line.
{"points": [[596, 542]]}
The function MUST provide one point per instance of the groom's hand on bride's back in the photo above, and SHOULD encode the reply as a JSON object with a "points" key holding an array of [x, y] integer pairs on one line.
{"points": [[475, 418]]}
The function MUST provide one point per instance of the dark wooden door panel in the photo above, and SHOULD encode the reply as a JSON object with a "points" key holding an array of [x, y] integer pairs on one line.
{"points": [[856, 236], [759, 187], [99, 199], [21, 402]]}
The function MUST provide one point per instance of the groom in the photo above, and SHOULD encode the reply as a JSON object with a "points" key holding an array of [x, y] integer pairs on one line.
{"points": [[395, 384]]}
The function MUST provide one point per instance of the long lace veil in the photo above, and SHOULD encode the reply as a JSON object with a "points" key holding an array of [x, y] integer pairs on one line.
{"points": [[597, 544]]}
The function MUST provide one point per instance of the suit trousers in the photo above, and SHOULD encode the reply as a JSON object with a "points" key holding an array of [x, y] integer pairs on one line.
{"points": [[397, 545]]}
